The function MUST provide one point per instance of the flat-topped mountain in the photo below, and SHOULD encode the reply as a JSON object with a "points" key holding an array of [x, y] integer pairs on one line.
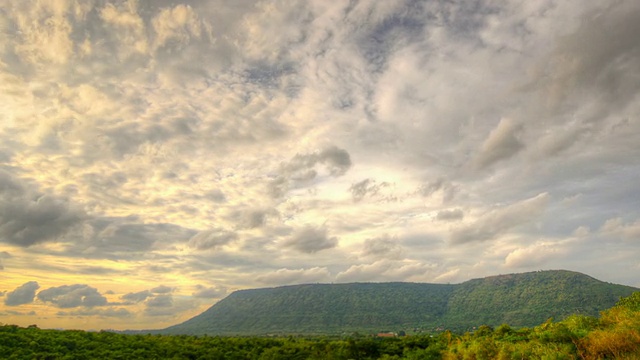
{"points": [[526, 299]]}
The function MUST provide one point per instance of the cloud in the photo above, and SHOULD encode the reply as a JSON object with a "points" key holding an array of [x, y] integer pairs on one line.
{"points": [[121, 238], [166, 305], [162, 289], [211, 239], [136, 297], [616, 227], [28, 217], [496, 222], [366, 187], [532, 256], [501, 144], [597, 57], [450, 215], [387, 270], [310, 239], [23, 294], [70, 296], [383, 247], [4, 255], [295, 276], [109, 312], [213, 292], [301, 169], [160, 301]]}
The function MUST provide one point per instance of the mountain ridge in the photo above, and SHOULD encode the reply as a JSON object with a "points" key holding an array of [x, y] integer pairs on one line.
{"points": [[523, 299]]}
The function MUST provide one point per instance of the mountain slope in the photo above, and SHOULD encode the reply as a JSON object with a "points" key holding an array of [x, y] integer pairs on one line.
{"points": [[518, 299]]}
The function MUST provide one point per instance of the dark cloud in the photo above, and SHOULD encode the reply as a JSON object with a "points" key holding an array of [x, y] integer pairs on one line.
{"points": [[213, 292], [105, 313], [502, 143], [337, 160], [216, 196], [126, 238], [497, 222], [166, 305], [450, 215], [251, 218], [160, 301], [366, 187], [5, 255], [70, 296], [295, 276], [448, 189], [19, 313], [162, 289], [211, 239], [310, 239], [23, 294], [136, 297], [382, 247], [602, 55], [28, 217], [301, 169]]}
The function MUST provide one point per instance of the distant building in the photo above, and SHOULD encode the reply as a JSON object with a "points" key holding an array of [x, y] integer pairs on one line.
{"points": [[387, 334]]}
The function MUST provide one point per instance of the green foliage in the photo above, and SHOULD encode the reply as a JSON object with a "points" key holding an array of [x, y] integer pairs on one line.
{"points": [[517, 299], [615, 335]]}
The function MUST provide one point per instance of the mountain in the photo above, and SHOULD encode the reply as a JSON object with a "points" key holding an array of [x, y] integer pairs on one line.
{"points": [[524, 299]]}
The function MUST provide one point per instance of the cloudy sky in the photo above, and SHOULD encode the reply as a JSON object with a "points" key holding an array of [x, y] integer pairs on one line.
{"points": [[156, 156]]}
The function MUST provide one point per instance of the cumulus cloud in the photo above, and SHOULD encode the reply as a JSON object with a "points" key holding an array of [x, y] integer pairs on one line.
{"points": [[366, 188], [136, 297], [162, 289], [302, 169], [387, 270], [502, 143], [383, 247], [126, 237], [295, 276], [212, 292], [166, 305], [450, 215], [109, 312], [70, 296], [310, 239], [211, 239], [496, 222], [598, 56], [160, 301], [4, 255], [23, 294], [532, 256], [28, 217], [617, 227]]}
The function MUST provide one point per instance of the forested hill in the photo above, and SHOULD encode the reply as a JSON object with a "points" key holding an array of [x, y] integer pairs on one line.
{"points": [[517, 299]]}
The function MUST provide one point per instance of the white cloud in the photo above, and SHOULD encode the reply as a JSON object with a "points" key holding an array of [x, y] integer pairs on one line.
{"points": [[310, 239], [532, 256], [502, 143], [496, 222], [387, 270]]}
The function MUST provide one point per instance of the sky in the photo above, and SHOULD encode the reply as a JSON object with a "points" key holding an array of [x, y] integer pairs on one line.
{"points": [[156, 156]]}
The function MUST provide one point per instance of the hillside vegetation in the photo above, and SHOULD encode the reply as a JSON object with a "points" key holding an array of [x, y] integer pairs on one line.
{"points": [[614, 335], [518, 299]]}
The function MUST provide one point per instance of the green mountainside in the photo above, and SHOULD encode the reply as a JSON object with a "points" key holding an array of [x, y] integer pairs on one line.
{"points": [[517, 299]]}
